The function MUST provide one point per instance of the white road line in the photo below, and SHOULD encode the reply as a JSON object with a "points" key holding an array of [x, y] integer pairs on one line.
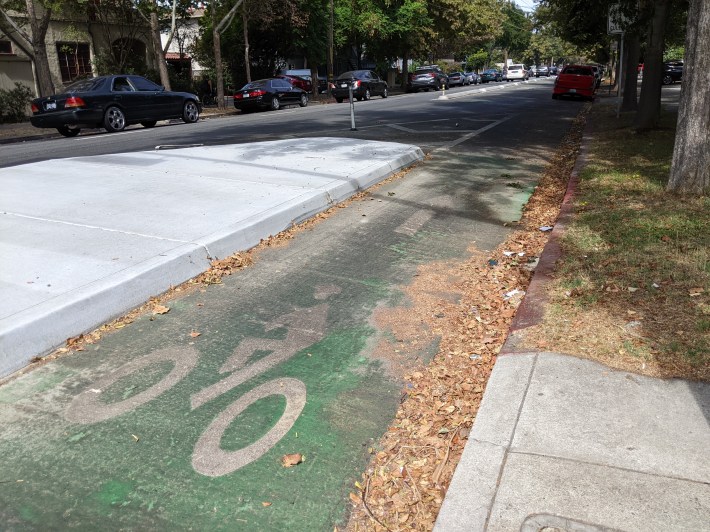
{"points": [[469, 136]]}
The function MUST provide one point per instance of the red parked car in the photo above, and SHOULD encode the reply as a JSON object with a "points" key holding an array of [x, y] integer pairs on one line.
{"points": [[575, 80], [298, 81]]}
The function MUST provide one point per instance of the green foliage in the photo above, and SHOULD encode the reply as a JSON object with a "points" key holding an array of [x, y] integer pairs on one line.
{"points": [[477, 60], [14, 103], [516, 30], [674, 53]]}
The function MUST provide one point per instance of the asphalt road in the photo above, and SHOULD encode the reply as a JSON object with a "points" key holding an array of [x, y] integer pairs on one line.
{"points": [[156, 428], [420, 118]]}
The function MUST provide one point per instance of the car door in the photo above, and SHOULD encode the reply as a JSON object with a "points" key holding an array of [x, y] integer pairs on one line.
{"points": [[377, 85], [158, 103], [124, 94], [285, 91]]}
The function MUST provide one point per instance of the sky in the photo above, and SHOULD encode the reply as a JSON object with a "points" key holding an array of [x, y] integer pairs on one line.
{"points": [[526, 5]]}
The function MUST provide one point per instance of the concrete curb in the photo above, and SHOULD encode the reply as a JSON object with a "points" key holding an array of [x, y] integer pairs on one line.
{"points": [[478, 473]]}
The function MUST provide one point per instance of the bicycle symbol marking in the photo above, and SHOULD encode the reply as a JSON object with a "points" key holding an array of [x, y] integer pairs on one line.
{"points": [[305, 326]]}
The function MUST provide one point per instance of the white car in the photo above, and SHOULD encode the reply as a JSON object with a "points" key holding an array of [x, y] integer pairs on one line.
{"points": [[516, 72]]}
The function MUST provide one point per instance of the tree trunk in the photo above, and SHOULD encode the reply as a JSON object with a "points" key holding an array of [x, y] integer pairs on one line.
{"points": [[649, 111], [158, 48], [314, 80], [690, 169], [245, 25], [217, 42], [405, 70], [631, 61], [39, 26]]}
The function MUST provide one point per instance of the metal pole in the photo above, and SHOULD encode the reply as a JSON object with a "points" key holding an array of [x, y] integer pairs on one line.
{"points": [[621, 76], [352, 108]]}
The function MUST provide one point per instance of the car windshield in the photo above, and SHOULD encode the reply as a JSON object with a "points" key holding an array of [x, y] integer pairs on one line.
{"points": [[515, 67], [85, 85]]}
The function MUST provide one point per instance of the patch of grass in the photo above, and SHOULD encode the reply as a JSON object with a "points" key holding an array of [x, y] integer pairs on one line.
{"points": [[633, 285]]}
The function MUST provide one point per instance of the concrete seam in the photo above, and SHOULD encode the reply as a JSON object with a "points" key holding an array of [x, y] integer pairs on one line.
{"points": [[87, 226], [610, 466], [510, 443]]}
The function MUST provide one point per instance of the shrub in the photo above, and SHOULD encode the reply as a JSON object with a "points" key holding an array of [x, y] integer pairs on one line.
{"points": [[14, 103]]}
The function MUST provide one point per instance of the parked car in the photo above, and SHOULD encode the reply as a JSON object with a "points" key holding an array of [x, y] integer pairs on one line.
{"points": [[427, 77], [672, 72], [457, 78], [553, 70], [597, 75], [298, 81], [365, 83], [269, 93], [575, 80], [491, 74], [112, 102], [516, 72], [542, 71], [472, 78]]}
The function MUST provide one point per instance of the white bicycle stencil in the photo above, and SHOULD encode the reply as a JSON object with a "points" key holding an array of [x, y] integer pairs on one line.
{"points": [[305, 326]]}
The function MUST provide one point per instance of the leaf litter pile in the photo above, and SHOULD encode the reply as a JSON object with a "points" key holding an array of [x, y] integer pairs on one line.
{"points": [[468, 305]]}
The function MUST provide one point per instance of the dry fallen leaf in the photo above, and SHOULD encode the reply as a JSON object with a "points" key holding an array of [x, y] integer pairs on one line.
{"points": [[290, 460], [160, 309], [266, 504], [195, 334]]}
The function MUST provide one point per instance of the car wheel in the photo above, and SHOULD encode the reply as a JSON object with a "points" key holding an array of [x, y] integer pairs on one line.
{"points": [[667, 80], [304, 100], [149, 123], [275, 104], [385, 93], [68, 131], [114, 120], [190, 112], [366, 96], [339, 100], [554, 96]]}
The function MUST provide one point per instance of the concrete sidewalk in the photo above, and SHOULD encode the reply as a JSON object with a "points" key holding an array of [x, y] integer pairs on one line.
{"points": [[85, 239], [565, 444]]}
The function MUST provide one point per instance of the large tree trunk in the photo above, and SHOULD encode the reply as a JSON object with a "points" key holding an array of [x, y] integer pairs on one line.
{"points": [[631, 60], [39, 26], [158, 49], [650, 101], [690, 169], [247, 60]]}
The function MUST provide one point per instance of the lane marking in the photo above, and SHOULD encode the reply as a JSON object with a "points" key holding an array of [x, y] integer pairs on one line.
{"points": [[469, 136]]}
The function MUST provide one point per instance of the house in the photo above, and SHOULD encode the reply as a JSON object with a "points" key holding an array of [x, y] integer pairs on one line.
{"points": [[78, 45], [179, 53]]}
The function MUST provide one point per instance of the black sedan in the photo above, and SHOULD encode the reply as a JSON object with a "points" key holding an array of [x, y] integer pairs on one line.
{"points": [[365, 84], [672, 72], [112, 102], [269, 93]]}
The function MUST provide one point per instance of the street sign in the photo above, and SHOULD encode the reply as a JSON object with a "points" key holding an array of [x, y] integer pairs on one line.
{"points": [[617, 22]]}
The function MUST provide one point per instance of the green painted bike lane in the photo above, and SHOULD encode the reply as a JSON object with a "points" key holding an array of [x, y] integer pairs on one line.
{"points": [[156, 429]]}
